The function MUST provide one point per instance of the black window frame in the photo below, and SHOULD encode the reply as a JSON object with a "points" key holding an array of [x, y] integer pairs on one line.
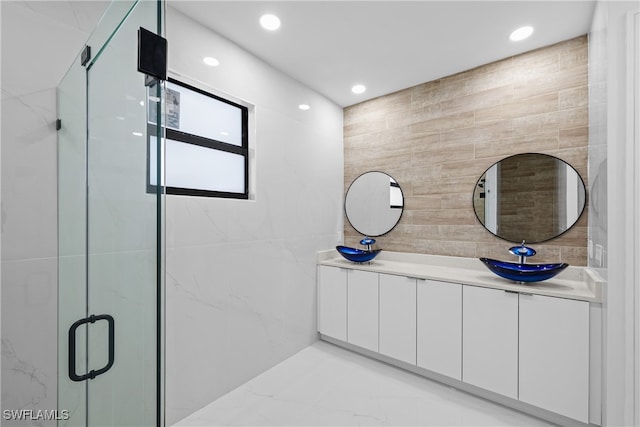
{"points": [[201, 141]]}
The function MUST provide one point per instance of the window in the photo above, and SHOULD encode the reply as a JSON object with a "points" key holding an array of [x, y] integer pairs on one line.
{"points": [[206, 150]]}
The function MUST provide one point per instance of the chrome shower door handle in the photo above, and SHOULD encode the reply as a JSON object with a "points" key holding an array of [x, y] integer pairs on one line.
{"points": [[72, 347]]}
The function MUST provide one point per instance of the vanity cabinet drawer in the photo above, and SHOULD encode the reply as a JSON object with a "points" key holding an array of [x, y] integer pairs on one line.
{"points": [[398, 317], [439, 327], [490, 339], [362, 309], [332, 302]]}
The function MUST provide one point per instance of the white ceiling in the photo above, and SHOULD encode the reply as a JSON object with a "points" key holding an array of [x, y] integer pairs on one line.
{"points": [[327, 45], [386, 45]]}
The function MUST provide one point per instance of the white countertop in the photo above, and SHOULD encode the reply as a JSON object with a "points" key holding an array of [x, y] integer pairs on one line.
{"points": [[578, 283]]}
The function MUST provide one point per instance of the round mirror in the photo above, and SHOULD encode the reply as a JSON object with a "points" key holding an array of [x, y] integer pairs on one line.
{"points": [[374, 203], [532, 197]]}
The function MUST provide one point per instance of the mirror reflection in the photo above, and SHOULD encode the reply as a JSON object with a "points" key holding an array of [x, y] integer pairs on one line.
{"points": [[532, 197], [374, 203]]}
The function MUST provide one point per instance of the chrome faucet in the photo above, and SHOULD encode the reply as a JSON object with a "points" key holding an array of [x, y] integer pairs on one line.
{"points": [[367, 241], [522, 252]]}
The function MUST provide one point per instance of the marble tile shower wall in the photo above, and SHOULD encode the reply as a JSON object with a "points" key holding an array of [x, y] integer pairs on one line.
{"points": [[240, 286], [29, 250], [437, 138], [29, 195]]}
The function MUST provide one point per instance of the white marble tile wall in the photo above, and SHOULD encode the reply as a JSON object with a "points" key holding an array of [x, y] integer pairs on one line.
{"points": [[241, 274], [39, 41], [29, 266]]}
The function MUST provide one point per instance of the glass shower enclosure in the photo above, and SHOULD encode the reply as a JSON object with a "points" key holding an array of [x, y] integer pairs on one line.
{"points": [[110, 229]]}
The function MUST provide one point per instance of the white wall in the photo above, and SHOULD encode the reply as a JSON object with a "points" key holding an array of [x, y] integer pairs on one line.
{"points": [[241, 274], [598, 141], [39, 42], [611, 144], [29, 265]]}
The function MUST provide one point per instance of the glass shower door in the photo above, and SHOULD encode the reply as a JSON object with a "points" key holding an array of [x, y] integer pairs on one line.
{"points": [[110, 232]]}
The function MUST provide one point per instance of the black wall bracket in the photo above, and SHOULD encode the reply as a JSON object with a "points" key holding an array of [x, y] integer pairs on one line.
{"points": [[152, 56], [85, 56]]}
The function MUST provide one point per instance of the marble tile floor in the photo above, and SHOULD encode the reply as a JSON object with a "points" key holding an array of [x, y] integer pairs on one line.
{"points": [[325, 385]]}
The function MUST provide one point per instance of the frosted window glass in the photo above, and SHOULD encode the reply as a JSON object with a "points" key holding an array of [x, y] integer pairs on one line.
{"points": [[192, 112], [194, 167]]}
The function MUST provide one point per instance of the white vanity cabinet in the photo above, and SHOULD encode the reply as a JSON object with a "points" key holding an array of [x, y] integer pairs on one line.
{"points": [[398, 317], [362, 309], [332, 302], [490, 339], [540, 352], [554, 355], [439, 327], [532, 348]]}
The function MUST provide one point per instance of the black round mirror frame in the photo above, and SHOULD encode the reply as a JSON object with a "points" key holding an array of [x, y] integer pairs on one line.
{"points": [[481, 183], [387, 229]]}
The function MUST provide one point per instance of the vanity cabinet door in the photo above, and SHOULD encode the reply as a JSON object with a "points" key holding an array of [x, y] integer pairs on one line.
{"points": [[362, 309], [332, 302], [490, 339], [398, 317], [440, 327], [554, 355]]}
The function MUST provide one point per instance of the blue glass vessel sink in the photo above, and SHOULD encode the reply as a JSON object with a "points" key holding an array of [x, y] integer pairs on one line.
{"points": [[357, 255], [523, 272]]}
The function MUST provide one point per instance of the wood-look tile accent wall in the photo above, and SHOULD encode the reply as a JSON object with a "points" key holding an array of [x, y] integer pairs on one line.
{"points": [[436, 139]]}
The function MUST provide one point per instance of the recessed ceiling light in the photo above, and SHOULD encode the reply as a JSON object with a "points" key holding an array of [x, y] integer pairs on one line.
{"points": [[270, 22], [358, 89], [210, 61], [137, 133], [303, 107], [521, 33]]}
